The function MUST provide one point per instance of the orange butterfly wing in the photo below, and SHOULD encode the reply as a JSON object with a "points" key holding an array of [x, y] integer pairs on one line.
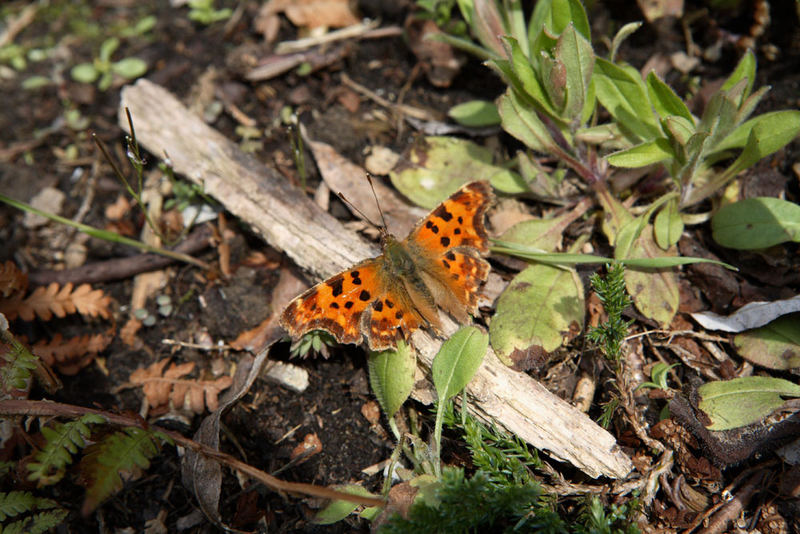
{"points": [[353, 302], [450, 241]]}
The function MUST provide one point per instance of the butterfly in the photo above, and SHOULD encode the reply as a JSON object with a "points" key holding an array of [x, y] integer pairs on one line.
{"points": [[386, 298]]}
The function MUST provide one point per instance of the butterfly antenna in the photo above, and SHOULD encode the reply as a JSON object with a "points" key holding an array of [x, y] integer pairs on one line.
{"points": [[353, 206], [374, 194]]}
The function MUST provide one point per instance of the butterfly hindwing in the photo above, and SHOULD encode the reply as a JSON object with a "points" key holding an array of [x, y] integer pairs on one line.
{"points": [[335, 305]]}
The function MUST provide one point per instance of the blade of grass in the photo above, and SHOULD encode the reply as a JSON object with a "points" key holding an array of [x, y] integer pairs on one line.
{"points": [[104, 234]]}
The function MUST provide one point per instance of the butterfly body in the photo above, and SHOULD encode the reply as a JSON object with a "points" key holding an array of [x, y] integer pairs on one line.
{"points": [[386, 298]]}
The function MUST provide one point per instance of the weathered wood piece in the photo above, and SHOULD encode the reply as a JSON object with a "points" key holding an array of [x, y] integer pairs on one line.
{"points": [[317, 242]]}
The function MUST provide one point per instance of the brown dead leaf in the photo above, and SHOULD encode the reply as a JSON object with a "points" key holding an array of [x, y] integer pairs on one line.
{"points": [[310, 446], [371, 412], [12, 280], [166, 387], [314, 13], [71, 355], [118, 209]]}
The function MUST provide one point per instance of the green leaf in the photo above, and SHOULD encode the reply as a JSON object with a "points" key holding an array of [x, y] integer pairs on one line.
{"points": [[521, 121], [774, 121], [84, 73], [664, 99], [337, 510], [654, 291], [475, 113], [765, 140], [509, 182], [108, 48], [391, 375], [774, 346], [36, 82], [458, 361], [577, 56], [622, 92], [130, 68], [529, 83], [668, 225], [743, 401], [622, 34], [642, 155], [746, 69], [553, 301], [756, 223], [679, 129], [553, 16], [438, 166]]}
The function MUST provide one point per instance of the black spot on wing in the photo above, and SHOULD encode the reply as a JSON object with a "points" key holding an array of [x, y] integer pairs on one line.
{"points": [[442, 213], [378, 306], [336, 285], [364, 295], [445, 241]]}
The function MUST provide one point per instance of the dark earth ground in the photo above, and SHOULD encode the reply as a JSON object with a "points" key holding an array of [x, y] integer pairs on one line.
{"points": [[179, 53]]}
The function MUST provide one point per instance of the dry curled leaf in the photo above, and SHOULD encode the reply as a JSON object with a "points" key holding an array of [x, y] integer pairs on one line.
{"points": [[162, 387], [71, 355], [45, 302]]}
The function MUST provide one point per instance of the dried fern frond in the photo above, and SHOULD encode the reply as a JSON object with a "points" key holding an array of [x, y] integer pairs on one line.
{"points": [[161, 387], [122, 454], [71, 355], [12, 280], [45, 302], [62, 441]]}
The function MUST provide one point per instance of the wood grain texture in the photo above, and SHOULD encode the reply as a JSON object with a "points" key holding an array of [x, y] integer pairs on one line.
{"points": [[318, 243]]}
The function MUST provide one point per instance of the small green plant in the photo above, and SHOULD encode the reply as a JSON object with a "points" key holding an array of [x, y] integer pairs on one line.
{"points": [[316, 341], [24, 512], [658, 376], [611, 292], [441, 12], [203, 11], [460, 504], [102, 69]]}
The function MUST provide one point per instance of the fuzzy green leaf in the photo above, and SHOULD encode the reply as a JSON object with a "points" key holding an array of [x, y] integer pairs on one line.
{"points": [[654, 291], [772, 122], [746, 69], [84, 72], [391, 375], [755, 223], [458, 361], [337, 510], [553, 302], [664, 99], [668, 225], [521, 121], [743, 401], [438, 166], [622, 92], [475, 113], [130, 68], [577, 56], [774, 346], [643, 154]]}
